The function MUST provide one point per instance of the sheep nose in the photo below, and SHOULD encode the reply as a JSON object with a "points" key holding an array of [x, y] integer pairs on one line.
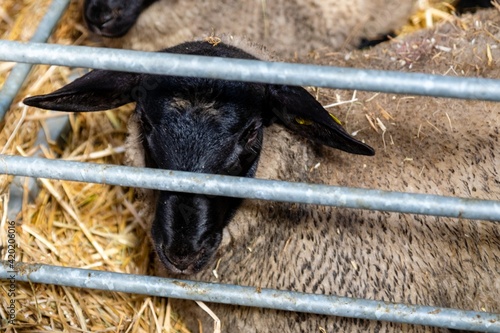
{"points": [[182, 263], [99, 17], [100, 20], [105, 18]]}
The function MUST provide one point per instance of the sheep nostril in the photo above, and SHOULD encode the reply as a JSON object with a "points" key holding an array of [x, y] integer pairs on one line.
{"points": [[104, 19], [99, 17]]}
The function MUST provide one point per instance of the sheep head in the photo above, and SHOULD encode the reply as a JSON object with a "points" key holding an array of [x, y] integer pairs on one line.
{"points": [[200, 125]]}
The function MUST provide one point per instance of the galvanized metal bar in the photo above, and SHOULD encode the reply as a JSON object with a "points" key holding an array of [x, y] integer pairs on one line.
{"points": [[178, 181], [20, 72], [250, 296], [252, 70], [56, 126]]}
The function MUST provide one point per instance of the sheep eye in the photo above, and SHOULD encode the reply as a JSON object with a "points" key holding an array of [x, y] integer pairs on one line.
{"points": [[249, 135]]}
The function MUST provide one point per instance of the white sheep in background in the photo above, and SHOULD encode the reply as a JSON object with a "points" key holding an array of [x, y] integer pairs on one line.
{"points": [[284, 26], [427, 145]]}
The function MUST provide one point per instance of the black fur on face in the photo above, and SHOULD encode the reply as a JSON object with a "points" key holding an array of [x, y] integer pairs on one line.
{"points": [[200, 125], [217, 130], [113, 18]]}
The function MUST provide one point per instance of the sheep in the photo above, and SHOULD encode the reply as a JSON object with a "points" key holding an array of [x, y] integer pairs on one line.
{"points": [[218, 125], [286, 26], [427, 145]]}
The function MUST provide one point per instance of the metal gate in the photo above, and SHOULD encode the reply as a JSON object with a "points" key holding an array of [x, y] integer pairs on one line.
{"points": [[37, 52]]}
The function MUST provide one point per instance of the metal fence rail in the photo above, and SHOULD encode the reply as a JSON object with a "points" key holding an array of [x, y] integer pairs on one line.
{"points": [[179, 181], [252, 70], [20, 72], [249, 296]]}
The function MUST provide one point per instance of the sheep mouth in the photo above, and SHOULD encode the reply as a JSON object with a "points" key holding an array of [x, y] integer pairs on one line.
{"points": [[187, 264], [113, 25], [110, 29]]}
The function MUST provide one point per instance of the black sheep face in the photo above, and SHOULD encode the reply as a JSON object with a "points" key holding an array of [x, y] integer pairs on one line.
{"points": [[200, 125], [204, 126]]}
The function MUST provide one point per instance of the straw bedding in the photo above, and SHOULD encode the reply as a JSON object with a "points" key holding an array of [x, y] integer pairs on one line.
{"points": [[76, 224]]}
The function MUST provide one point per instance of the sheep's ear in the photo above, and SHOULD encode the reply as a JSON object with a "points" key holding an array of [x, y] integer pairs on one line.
{"points": [[95, 91], [303, 114]]}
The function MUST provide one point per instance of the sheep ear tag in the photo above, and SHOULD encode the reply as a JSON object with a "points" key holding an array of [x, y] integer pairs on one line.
{"points": [[303, 114], [95, 91]]}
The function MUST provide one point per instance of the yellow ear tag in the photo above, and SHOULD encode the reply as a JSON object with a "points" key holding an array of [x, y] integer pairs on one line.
{"points": [[303, 121], [335, 119]]}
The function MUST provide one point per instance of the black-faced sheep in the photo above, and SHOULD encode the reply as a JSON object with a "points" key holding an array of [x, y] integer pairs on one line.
{"points": [[199, 125], [428, 145]]}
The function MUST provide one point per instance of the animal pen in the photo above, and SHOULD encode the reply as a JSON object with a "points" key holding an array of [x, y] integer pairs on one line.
{"points": [[38, 52]]}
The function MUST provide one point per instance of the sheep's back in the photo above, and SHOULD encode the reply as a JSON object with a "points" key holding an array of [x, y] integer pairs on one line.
{"points": [[288, 27]]}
